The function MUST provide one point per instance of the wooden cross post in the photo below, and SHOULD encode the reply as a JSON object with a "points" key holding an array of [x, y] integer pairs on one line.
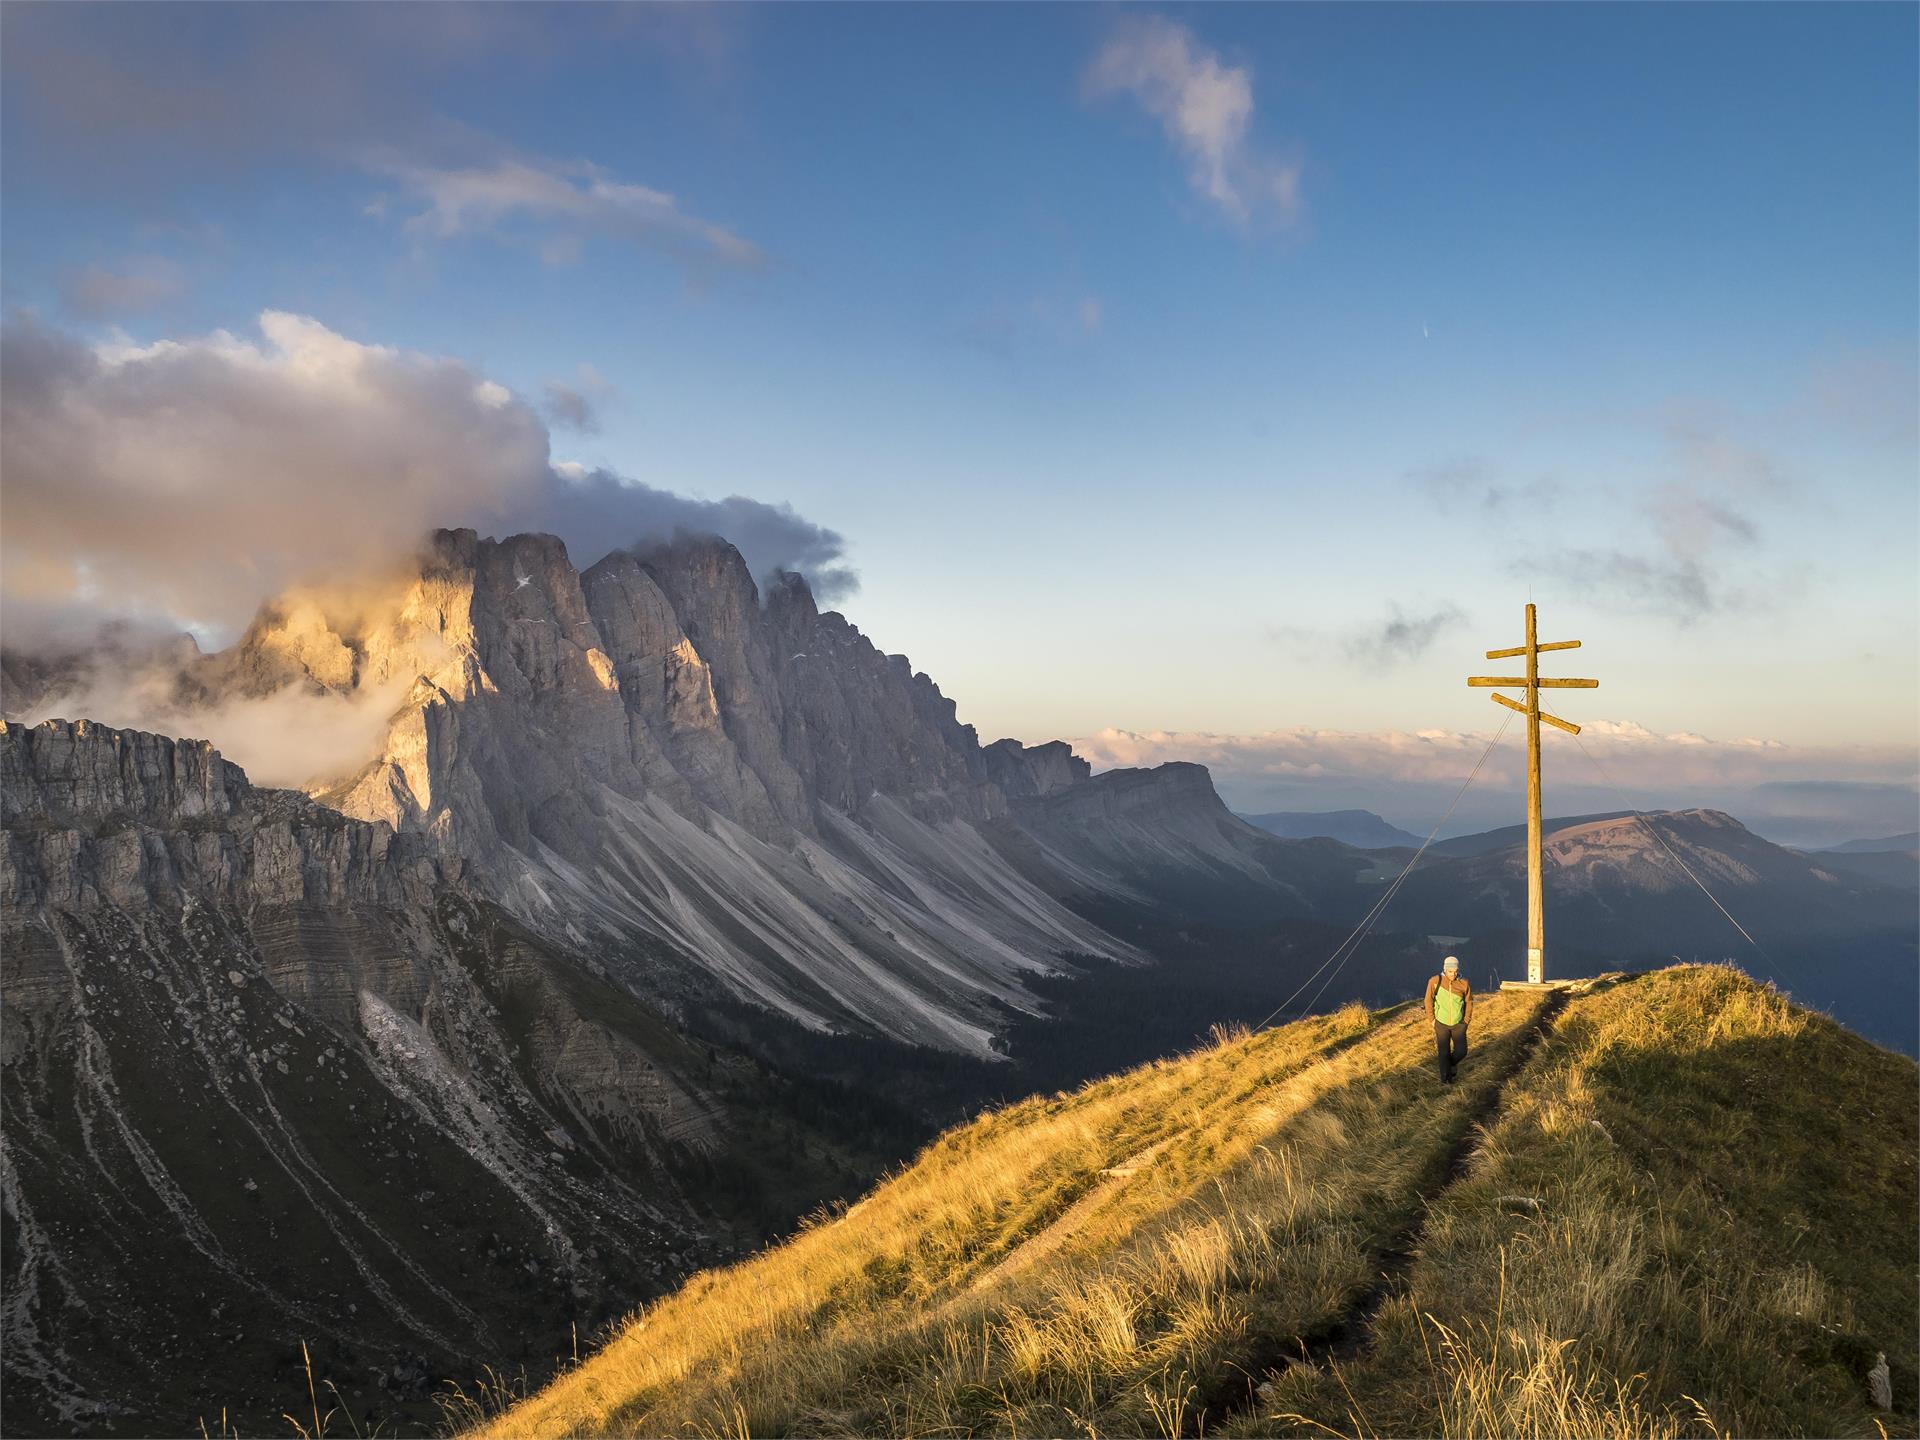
{"points": [[1536, 894]]}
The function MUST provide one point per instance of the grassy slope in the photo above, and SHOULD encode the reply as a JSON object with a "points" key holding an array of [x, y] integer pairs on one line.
{"points": [[1725, 1237], [1137, 1256]]}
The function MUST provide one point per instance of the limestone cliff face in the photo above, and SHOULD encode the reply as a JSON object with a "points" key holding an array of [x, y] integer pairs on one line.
{"points": [[1156, 833], [95, 815], [1026, 772], [857, 723], [62, 772], [1176, 794], [379, 1065]]}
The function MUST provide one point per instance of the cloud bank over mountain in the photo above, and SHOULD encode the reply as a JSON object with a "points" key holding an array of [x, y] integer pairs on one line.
{"points": [[1799, 794], [182, 482]]}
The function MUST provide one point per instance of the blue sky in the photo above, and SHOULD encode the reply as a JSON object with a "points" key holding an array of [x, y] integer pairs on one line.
{"points": [[1178, 373]]}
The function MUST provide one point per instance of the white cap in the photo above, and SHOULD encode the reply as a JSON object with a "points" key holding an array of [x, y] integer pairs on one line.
{"points": [[1453, 960]]}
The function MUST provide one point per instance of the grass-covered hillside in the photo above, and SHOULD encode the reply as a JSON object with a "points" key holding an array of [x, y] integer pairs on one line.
{"points": [[1667, 1204]]}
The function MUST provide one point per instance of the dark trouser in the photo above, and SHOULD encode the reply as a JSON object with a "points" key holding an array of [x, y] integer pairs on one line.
{"points": [[1450, 1046]]}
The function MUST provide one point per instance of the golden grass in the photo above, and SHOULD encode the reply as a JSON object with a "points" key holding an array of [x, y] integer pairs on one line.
{"points": [[1693, 1213], [1116, 1260], [1695, 1216]]}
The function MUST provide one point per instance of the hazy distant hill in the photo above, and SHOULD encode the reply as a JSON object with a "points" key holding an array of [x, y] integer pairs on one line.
{"points": [[1361, 829], [1507, 836], [1614, 882], [1892, 860], [1908, 841]]}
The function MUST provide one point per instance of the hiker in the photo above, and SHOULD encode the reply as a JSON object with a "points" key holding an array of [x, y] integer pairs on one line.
{"points": [[1450, 1007]]}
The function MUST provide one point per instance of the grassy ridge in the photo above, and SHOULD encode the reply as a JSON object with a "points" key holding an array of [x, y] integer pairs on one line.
{"points": [[1696, 1214], [1684, 1219]]}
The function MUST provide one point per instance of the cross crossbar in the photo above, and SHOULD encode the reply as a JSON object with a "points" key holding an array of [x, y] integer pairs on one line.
{"points": [[1521, 649], [1545, 719], [1494, 681]]}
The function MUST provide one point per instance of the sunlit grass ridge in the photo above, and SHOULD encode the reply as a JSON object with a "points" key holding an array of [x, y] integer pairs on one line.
{"points": [[1695, 1214], [1144, 1255]]}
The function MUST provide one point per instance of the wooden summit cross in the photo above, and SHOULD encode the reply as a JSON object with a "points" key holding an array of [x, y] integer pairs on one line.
{"points": [[1534, 684]]}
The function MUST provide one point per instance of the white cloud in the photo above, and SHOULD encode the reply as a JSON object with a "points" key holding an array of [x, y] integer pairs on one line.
{"points": [[1683, 543], [563, 204], [291, 736], [1398, 639], [596, 511], [183, 482], [1206, 109], [1693, 533], [195, 477], [1403, 637], [1469, 486]]}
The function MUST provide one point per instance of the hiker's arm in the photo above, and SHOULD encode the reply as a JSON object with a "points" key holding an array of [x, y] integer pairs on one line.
{"points": [[1467, 1016], [1431, 982]]}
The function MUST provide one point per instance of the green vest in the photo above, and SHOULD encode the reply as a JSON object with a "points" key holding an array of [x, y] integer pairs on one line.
{"points": [[1447, 1006]]}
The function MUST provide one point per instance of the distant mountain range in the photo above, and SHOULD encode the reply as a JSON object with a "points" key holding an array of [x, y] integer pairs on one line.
{"points": [[1361, 829], [659, 910], [1908, 841], [1890, 860], [1623, 885]]}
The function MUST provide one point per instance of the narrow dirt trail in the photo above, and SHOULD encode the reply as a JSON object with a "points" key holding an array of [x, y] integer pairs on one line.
{"points": [[1354, 1329], [1068, 1224], [1071, 1222], [1348, 1334]]}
